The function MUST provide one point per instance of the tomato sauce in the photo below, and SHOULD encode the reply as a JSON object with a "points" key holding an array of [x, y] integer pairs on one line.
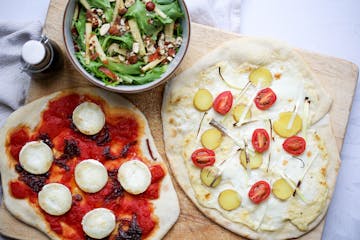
{"points": [[122, 130], [17, 140]]}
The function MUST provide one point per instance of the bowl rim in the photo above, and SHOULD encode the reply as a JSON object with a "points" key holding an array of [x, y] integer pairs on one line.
{"points": [[119, 89]]}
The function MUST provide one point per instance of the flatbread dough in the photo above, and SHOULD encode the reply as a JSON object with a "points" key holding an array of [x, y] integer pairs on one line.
{"points": [[181, 120], [30, 115]]}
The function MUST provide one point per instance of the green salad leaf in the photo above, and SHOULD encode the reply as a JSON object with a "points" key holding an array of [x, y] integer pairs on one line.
{"points": [[179, 30], [92, 67], [130, 69], [99, 3], [164, 1], [149, 76], [80, 28], [143, 17], [170, 8], [108, 14], [125, 41]]}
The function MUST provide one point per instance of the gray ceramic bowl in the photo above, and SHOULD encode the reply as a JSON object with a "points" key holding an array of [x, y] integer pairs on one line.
{"points": [[174, 64]]}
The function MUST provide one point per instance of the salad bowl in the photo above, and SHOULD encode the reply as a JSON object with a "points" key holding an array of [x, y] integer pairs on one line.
{"points": [[132, 51]]}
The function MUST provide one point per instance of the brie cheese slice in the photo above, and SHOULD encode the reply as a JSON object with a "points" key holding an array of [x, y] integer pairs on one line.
{"points": [[88, 118], [98, 223], [134, 176], [55, 199], [36, 157], [91, 175]]}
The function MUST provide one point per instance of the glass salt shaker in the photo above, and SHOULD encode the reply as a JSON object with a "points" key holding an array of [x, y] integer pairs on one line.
{"points": [[41, 56]]}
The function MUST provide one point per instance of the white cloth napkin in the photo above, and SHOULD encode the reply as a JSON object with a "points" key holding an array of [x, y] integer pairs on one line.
{"points": [[14, 83], [224, 14]]}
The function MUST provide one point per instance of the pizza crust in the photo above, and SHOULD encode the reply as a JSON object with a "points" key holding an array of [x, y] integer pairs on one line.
{"points": [[177, 105], [31, 112]]}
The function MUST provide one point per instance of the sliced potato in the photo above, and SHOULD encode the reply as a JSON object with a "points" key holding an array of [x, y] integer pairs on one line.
{"points": [[281, 189], [229, 199], [238, 111], [211, 138], [281, 125], [203, 100], [210, 177], [261, 75], [255, 160]]}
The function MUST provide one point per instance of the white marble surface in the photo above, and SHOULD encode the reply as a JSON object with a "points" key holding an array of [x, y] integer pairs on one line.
{"points": [[330, 27]]}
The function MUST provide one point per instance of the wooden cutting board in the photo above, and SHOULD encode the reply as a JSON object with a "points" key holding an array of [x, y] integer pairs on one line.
{"points": [[339, 78]]}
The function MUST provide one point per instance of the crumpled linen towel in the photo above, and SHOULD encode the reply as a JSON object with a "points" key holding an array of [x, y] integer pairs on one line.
{"points": [[14, 84], [224, 14]]}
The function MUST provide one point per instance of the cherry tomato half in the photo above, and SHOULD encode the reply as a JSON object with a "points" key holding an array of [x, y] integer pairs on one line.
{"points": [[294, 145], [259, 192], [108, 72], [203, 157], [260, 140], [223, 102], [265, 98]]}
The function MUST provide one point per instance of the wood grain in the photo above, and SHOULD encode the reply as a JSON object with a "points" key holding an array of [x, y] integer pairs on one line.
{"points": [[338, 76]]}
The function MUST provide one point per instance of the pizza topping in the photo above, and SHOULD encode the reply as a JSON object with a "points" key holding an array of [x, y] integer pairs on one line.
{"points": [[19, 189], [210, 176], [299, 159], [103, 137], [281, 124], [238, 111], [306, 116], [265, 98], [123, 154], [281, 189], [203, 100], [77, 197], [259, 192], [36, 157], [157, 173], [229, 199], [261, 76], [129, 229], [55, 199], [35, 182], [227, 82], [223, 102], [203, 157], [255, 160], [17, 140], [304, 173], [211, 138], [149, 150], [200, 124], [260, 140], [90, 175], [46, 139], [71, 150], [108, 155], [89, 118], [116, 189], [225, 131], [125, 150], [134, 176], [294, 145], [99, 223]]}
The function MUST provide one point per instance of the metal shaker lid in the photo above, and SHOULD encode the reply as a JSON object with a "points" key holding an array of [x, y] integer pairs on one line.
{"points": [[33, 52]]}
